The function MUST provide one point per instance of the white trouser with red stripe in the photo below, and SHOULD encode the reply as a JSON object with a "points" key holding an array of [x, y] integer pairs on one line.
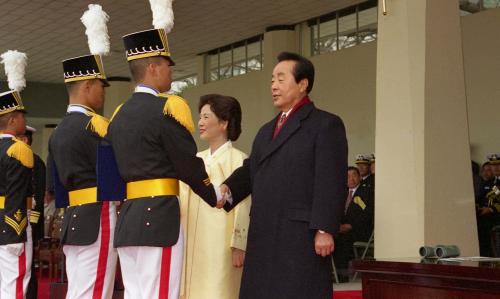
{"points": [[152, 272], [91, 269], [15, 270]]}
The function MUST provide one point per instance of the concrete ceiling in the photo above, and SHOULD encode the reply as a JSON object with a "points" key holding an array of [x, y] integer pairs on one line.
{"points": [[50, 31]]}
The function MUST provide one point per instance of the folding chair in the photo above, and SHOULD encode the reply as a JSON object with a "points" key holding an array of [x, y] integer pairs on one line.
{"points": [[335, 276], [365, 246]]}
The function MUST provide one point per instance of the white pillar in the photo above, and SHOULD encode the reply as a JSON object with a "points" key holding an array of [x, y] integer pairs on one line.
{"points": [[424, 191]]}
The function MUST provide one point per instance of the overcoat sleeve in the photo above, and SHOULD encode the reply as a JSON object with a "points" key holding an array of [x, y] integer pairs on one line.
{"points": [[330, 176], [240, 184]]}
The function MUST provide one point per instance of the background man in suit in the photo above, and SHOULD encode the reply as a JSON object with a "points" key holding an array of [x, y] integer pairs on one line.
{"points": [[357, 223], [296, 174]]}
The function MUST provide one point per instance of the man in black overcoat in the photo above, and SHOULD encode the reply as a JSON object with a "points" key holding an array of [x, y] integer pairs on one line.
{"points": [[296, 174]]}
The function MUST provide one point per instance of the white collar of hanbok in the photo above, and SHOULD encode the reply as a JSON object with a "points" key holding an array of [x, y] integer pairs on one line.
{"points": [[220, 150]]}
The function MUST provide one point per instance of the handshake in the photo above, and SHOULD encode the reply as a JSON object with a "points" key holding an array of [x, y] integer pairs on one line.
{"points": [[223, 195]]}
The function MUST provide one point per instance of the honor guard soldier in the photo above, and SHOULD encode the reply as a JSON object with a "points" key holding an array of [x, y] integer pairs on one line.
{"points": [[88, 225], [154, 149], [16, 164]]}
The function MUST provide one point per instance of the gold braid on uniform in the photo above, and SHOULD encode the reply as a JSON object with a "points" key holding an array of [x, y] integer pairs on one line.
{"points": [[116, 111], [98, 124], [34, 216], [18, 227], [21, 152], [177, 108]]}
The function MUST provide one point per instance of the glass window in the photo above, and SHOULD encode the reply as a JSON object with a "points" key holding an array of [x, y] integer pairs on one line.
{"points": [[236, 59], [213, 67], [225, 65], [327, 33], [367, 28], [344, 28], [347, 31], [179, 85], [239, 61], [254, 56]]}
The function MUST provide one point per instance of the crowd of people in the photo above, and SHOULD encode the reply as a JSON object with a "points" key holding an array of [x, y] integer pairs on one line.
{"points": [[487, 196]]}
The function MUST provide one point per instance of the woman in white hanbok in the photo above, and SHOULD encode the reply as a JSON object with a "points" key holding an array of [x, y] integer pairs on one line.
{"points": [[215, 240]]}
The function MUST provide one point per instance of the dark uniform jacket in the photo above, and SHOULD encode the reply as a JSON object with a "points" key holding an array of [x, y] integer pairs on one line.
{"points": [[369, 181], [151, 145], [16, 163], [297, 181], [73, 148], [485, 192], [360, 214]]}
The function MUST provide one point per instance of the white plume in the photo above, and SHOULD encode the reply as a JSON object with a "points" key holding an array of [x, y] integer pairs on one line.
{"points": [[15, 65], [95, 20], [163, 15]]}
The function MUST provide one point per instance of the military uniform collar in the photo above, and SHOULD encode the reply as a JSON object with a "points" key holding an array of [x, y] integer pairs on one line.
{"points": [[79, 109], [3, 135], [146, 89]]}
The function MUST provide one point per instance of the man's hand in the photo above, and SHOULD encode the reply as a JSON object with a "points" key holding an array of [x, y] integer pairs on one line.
{"points": [[224, 193], [224, 190], [345, 228], [485, 210], [323, 243], [238, 257], [221, 202]]}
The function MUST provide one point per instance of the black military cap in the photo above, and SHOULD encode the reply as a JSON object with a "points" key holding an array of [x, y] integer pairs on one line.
{"points": [[11, 101], [148, 43], [84, 68]]}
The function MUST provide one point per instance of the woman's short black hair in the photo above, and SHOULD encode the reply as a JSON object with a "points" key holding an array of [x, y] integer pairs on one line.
{"points": [[304, 69], [226, 108]]}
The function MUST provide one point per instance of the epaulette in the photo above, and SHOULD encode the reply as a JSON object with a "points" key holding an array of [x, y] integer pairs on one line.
{"points": [[177, 108], [98, 124], [116, 111], [21, 152]]}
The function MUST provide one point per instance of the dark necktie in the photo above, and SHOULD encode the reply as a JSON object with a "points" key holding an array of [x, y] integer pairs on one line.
{"points": [[348, 201], [280, 123]]}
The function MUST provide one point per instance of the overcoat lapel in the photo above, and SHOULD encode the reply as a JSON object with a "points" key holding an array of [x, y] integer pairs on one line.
{"points": [[288, 129]]}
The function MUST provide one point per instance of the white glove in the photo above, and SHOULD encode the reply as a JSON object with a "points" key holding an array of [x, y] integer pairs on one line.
{"points": [[16, 249]]}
